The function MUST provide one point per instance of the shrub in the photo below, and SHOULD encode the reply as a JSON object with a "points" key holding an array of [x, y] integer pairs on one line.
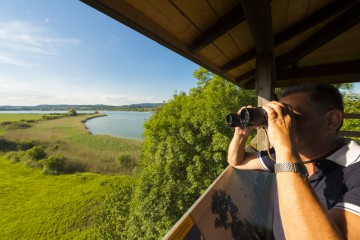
{"points": [[35, 153], [54, 164], [14, 157]]}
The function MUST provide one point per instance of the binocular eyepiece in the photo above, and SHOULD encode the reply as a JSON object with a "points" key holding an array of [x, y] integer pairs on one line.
{"points": [[247, 117]]}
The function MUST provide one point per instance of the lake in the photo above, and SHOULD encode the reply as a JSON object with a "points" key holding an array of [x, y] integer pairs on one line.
{"points": [[123, 124], [119, 124]]}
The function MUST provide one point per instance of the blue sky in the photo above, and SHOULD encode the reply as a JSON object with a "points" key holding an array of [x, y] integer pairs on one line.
{"points": [[65, 52]]}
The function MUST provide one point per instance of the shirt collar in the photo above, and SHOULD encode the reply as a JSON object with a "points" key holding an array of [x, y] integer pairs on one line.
{"points": [[347, 154]]}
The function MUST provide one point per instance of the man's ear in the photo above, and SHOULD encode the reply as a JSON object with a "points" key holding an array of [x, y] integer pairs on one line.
{"points": [[334, 119]]}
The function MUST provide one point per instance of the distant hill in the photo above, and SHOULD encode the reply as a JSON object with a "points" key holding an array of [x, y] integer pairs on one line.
{"points": [[59, 107]]}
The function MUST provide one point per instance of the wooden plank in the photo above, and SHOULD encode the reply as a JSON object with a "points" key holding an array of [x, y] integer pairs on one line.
{"points": [[349, 134], [352, 115], [237, 198], [345, 21], [292, 31], [329, 79], [219, 28], [323, 70]]}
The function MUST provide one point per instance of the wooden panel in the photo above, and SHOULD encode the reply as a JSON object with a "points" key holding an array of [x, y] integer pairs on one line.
{"points": [[294, 42], [227, 46], [212, 53], [343, 48], [168, 17], [200, 12], [236, 72], [242, 37], [221, 7]]}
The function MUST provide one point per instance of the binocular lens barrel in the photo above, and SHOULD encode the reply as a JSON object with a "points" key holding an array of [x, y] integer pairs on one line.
{"points": [[247, 117]]}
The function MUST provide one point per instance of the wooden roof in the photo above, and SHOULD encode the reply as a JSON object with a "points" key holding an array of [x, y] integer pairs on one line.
{"points": [[310, 40]]}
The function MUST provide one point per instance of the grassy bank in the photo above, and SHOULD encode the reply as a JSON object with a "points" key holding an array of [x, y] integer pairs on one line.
{"points": [[12, 117], [84, 152], [38, 206]]}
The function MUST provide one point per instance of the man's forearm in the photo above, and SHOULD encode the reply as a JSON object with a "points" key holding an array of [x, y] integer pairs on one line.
{"points": [[236, 151], [301, 213]]}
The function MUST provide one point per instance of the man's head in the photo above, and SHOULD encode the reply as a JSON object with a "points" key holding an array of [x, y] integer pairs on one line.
{"points": [[318, 109], [324, 97]]}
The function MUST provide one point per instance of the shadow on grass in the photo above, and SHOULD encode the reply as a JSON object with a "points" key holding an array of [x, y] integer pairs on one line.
{"points": [[7, 146]]}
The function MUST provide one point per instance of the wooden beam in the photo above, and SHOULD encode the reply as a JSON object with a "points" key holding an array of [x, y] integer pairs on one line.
{"points": [[244, 58], [323, 70], [347, 78], [352, 115], [345, 21], [225, 24], [349, 134], [294, 30], [245, 76]]}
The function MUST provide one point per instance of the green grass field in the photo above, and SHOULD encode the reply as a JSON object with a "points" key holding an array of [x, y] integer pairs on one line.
{"points": [[38, 206]]}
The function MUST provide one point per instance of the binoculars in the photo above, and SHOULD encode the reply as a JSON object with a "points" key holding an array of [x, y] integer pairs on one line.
{"points": [[247, 117]]}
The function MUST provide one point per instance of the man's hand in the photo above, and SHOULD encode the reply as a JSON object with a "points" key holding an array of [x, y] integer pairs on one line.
{"points": [[281, 125]]}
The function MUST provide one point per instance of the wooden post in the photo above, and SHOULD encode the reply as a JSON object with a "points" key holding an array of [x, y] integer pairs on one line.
{"points": [[264, 89], [259, 19]]}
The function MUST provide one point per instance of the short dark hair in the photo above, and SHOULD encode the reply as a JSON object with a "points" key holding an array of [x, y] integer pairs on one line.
{"points": [[325, 97]]}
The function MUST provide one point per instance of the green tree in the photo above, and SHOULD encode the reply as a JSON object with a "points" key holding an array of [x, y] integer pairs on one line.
{"points": [[352, 105], [72, 112], [184, 150]]}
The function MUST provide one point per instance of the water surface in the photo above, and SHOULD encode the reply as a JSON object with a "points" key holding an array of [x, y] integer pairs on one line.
{"points": [[124, 124]]}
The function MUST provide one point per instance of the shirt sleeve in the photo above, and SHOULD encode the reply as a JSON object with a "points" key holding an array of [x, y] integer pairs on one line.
{"points": [[265, 161], [350, 200]]}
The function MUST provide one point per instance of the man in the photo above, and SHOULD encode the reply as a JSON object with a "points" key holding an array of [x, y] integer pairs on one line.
{"points": [[302, 128]]}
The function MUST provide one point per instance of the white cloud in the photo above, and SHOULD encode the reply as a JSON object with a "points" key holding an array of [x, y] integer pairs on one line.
{"points": [[14, 61], [23, 96], [29, 37]]}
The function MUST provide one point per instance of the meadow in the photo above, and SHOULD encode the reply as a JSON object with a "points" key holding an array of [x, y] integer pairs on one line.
{"points": [[34, 205], [69, 137]]}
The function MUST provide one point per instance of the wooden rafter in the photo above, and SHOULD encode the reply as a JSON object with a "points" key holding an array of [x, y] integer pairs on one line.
{"points": [[318, 17], [323, 70], [345, 21], [226, 23]]}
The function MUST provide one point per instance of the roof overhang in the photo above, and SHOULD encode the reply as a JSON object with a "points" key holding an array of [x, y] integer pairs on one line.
{"points": [[309, 41]]}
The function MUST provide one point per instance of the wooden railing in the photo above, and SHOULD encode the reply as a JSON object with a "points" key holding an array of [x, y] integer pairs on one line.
{"points": [[350, 133]]}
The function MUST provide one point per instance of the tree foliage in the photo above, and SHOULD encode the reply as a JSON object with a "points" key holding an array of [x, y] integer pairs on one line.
{"points": [[352, 105], [184, 150], [72, 112]]}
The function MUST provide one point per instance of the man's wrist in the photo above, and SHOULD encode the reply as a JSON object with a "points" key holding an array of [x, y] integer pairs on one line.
{"points": [[285, 155]]}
